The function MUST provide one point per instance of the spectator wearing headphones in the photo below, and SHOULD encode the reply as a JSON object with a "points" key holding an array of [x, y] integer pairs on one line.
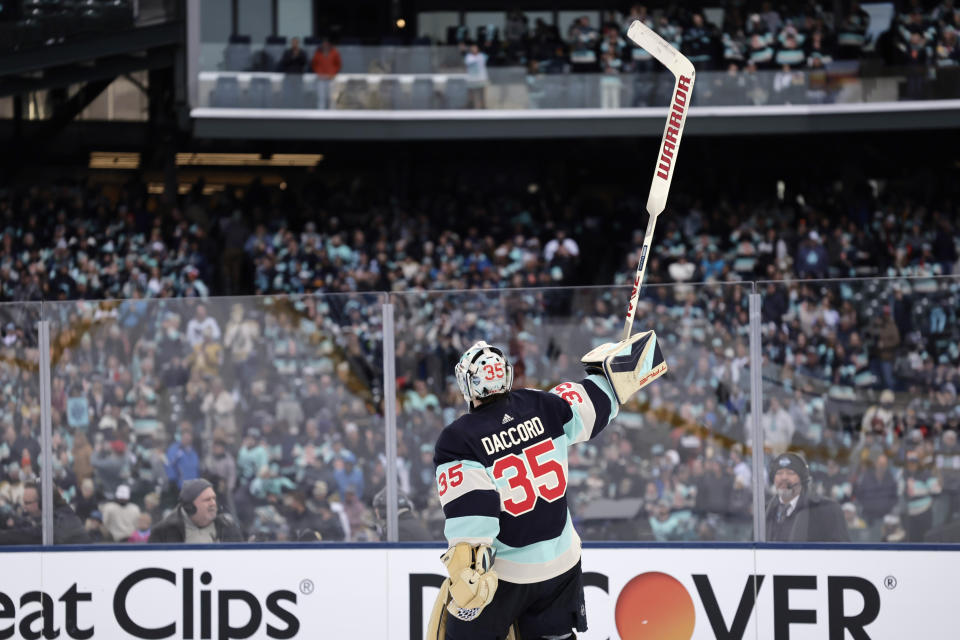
{"points": [[795, 514], [27, 529], [196, 519]]}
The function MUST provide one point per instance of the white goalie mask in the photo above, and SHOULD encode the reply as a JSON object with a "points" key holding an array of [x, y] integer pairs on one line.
{"points": [[483, 371]]}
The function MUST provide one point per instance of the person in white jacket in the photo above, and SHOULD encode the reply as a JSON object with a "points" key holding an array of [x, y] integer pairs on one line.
{"points": [[477, 78], [120, 515]]}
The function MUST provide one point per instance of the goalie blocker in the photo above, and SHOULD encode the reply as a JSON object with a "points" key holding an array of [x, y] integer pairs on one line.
{"points": [[628, 365]]}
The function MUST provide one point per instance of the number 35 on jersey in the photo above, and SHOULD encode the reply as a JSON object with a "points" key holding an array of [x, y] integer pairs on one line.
{"points": [[520, 478]]}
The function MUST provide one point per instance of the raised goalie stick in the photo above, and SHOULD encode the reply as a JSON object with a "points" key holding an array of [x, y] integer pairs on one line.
{"points": [[683, 71], [636, 361]]}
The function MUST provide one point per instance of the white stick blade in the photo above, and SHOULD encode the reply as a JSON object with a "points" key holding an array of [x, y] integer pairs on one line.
{"points": [[659, 48], [684, 73]]}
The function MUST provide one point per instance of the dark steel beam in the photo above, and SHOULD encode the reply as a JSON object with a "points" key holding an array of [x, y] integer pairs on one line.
{"points": [[109, 67], [69, 110], [84, 49], [35, 145]]}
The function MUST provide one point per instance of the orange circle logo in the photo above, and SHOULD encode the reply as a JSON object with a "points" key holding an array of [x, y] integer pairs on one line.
{"points": [[655, 606]]}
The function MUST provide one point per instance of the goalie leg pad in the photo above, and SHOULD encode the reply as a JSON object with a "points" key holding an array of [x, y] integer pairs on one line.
{"points": [[437, 627], [628, 365]]}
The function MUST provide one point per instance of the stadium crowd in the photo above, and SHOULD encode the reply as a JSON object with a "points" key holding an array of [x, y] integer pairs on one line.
{"points": [[748, 53], [277, 399], [792, 35]]}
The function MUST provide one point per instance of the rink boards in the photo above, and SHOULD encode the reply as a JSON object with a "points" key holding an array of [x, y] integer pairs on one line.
{"points": [[379, 592]]}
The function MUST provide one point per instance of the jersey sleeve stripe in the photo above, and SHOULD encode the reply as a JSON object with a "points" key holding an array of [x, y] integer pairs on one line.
{"points": [[604, 399], [472, 529], [593, 404], [475, 503], [474, 479]]}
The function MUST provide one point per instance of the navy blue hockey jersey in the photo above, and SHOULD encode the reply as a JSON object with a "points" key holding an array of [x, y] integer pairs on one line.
{"points": [[502, 475]]}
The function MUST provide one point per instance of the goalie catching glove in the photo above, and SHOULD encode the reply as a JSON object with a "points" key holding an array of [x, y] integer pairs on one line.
{"points": [[628, 365], [468, 590], [472, 581]]}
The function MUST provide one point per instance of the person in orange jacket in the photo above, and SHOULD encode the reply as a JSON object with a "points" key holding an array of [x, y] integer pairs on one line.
{"points": [[326, 64]]}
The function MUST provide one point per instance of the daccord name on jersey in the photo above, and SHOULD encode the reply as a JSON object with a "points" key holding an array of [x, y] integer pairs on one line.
{"points": [[523, 432]]}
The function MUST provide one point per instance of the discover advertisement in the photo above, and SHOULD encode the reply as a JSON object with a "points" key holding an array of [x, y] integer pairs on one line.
{"points": [[688, 593], [380, 592]]}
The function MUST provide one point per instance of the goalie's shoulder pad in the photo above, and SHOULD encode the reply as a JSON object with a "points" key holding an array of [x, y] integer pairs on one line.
{"points": [[628, 365]]}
